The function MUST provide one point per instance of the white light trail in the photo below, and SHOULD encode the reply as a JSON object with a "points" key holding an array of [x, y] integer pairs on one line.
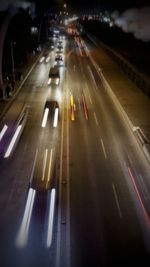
{"points": [[56, 117], [50, 166], [12, 143], [42, 59], [103, 147], [3, 131], [22, 236], [49, 81], [51, 218], [57, 81], [44, 121], [44, 163], [47, 59]]}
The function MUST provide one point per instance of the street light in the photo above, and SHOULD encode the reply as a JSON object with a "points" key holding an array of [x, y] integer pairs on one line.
{"points": [[12, 58]]}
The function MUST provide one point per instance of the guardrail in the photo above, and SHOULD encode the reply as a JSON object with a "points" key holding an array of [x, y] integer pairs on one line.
{"points": [[141, 80]]}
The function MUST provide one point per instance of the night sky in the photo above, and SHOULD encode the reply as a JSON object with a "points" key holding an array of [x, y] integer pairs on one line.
{"points": [[104, 4], [81, 5]]}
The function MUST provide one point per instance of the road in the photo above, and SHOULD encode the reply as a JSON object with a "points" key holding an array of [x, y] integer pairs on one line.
{"points": [[99, 174]]}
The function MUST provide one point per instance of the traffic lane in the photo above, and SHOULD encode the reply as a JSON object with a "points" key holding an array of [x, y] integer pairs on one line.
{"points": [[94, 239], [124, 140], [19, 186], [16, 179], [124, 193]]}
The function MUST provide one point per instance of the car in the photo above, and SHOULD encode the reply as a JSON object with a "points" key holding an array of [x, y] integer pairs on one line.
{"points": [[54, 75], [58, 57], [42, 174], [58, 52], [60, 42], [60, 47]]}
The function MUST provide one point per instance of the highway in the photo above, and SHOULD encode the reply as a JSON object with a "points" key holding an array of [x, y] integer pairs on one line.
{"points": [[96, 204]]}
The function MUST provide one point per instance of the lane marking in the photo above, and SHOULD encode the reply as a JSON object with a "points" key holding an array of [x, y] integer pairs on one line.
{"points": [[51, 218], [117, 201], [95, 118], [103, 147]]}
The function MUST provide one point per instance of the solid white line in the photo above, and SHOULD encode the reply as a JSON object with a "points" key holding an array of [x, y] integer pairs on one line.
{"points": [[51, 218], [95, 118], [12, 143], [22, 236], [90, 100], [56, 117], [44, 121], [50, 165], [117, 201], [44, 163], [3, 131], [103, 147]]}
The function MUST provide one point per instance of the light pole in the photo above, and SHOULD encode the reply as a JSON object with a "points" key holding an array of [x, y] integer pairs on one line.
{"points": [[12, 59]]}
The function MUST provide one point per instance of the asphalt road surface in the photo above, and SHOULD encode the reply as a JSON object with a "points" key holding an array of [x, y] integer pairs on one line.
{"points": [[95, 209]]}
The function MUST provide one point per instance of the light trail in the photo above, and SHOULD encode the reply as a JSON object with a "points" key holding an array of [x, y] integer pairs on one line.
{"points": [[12, 143], [84, 107], [51, 218], [56, 117], [44, 121], [44, 163], [3, 131], [22, 236]]}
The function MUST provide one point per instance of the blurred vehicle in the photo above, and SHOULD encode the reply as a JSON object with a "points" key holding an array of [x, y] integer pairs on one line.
{"points": [[59, 46], [51, 110], [58, 52], [58, 57], [42, 170], [11, 131], [54, 75]]}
